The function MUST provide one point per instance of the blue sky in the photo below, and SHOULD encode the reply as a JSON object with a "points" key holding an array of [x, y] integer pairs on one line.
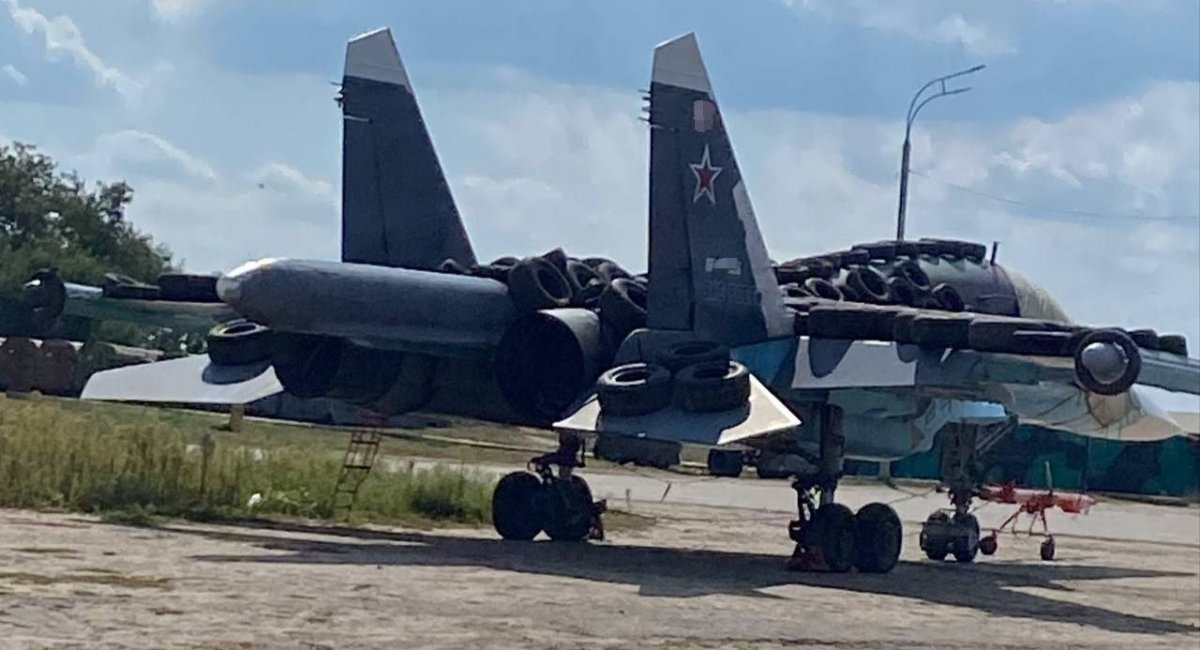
{"points": [[1089, 105]]}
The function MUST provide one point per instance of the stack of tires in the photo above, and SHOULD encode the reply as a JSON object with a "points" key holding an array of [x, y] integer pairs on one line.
{"points": [[175, 287], [48, 367], [696, 376], [555, 281], [854, 277]]}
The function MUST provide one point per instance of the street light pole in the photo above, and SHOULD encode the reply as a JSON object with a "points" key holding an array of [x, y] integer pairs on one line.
{"points": [[913, 109]]}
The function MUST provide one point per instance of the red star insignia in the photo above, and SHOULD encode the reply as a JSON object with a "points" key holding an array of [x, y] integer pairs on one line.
{"points": [[706, 175]]}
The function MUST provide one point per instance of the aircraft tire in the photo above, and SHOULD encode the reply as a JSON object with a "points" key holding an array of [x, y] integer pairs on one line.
{"points": [[516, 506], [870, 285], [634, 389], [1145, 338], [712, 386], [568, 510], [49, 298], [948, 298], [589, 296], [493, 271], [535, 283], [611, 271], [883, 251], [452, 266], [725, 462], [124, 287], [988, 545], [998, 334], [238, 342], [911, 271], [902, 291], [1133, 365], [558, 258], [187, 287], [677, 356], [934, 539], [623, 306], [18, 364], [56, 367], [832, 532], [964, 548], [823, 288], [1173, 344], [879, 535], [581, 275], [935, 331]]}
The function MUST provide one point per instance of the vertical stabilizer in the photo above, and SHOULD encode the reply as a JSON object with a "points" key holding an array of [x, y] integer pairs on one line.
{"points": [[397, 209], [709, 265]]}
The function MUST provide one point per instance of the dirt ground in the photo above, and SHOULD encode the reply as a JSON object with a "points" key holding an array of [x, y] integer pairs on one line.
{"points": [[702, 577]]}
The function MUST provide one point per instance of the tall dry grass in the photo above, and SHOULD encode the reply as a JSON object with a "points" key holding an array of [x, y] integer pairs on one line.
{"points": [[56, 457]]}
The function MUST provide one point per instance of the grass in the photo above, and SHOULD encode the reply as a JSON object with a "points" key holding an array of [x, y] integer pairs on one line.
{"points": [[134, 466]]}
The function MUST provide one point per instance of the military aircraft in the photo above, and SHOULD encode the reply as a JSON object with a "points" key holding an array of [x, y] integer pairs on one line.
{"points": [[867, 353]]}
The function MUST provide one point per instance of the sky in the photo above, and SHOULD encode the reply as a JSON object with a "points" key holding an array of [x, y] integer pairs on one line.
{"points": [[1077, 148]]}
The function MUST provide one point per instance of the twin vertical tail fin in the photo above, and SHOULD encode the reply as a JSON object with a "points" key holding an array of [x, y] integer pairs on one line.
{"points": [[708, 261], [397, 209]]}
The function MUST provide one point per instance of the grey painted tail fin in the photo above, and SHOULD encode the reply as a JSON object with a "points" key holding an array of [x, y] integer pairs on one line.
{"points": [[708, 263], [397, 209]]}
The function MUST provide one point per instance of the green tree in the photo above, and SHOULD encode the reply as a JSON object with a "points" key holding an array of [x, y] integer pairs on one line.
{"points": [[49, 218]]}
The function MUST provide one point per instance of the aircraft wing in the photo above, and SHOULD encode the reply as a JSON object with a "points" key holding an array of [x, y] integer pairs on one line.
{"points": [[50, 297], [822, 363], [1041, 389], [190, 380], [763, 414]]}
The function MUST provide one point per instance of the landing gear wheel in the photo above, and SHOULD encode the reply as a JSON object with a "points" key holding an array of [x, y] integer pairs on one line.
{"points": [[934, 539], [569, 514], [877, 545], [1047, 550], [988, 545], [965, 547], [516, 506], [828, 539]]}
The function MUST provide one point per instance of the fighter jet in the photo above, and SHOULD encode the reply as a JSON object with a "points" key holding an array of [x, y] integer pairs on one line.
{"points": [[866, 354]]}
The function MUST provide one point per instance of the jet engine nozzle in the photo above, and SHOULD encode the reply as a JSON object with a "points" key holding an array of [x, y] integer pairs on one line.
{"points": [[1107, 362]]}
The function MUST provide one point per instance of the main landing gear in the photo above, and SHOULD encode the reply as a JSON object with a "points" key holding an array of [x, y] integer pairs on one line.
{"points": [[559, 503], [829, 536]]}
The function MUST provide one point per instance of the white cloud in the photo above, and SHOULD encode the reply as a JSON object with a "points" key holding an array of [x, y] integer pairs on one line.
{"points": [[536, 168], [149, 153], [62, 36], [213, 220], [16, 75], [931, 22], [177, 10]]}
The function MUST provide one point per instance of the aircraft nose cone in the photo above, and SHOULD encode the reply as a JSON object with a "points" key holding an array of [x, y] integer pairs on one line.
{"points": [[1105, 361], [231, 287]]}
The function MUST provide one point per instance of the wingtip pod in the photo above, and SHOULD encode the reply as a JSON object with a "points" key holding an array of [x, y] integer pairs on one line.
{"points": [[677, 62], [373, 55]]}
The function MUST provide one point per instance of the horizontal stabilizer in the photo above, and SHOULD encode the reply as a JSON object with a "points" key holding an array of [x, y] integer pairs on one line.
{"points": [[762, 415], [190, 380]]}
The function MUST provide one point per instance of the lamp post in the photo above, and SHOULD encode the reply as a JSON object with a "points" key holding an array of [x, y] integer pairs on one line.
{"points": [[913, 109]]}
